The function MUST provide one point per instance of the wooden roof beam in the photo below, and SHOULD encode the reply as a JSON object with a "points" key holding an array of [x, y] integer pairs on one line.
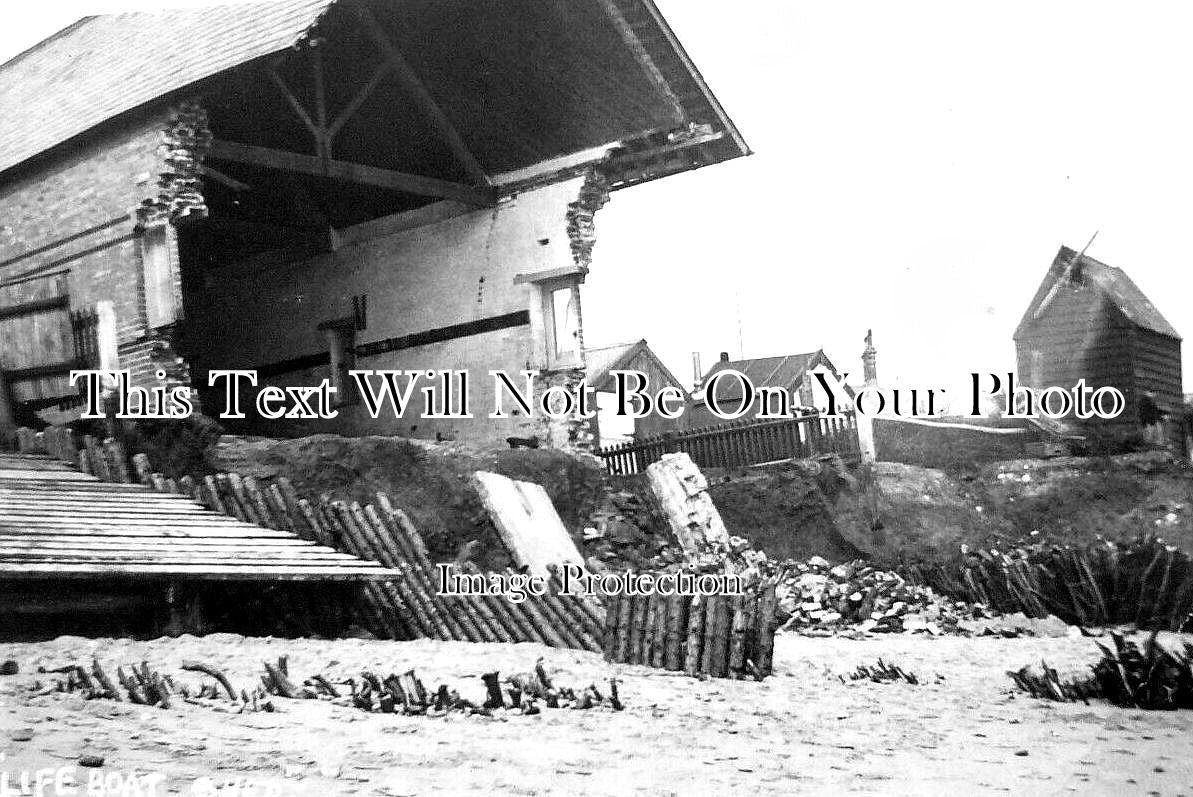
{"points": [[413, 84], [350, 172]]}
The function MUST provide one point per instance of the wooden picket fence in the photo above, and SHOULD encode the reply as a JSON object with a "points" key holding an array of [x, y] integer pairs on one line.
{"points": [[722, 636], [739, 443], [406, 608]]}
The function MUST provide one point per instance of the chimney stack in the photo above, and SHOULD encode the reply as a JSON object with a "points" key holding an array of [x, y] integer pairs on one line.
{"points": [[724, 356], [697, 372]]}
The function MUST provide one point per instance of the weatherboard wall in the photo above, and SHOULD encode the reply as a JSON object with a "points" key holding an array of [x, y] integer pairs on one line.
{"points": [[1081, 335]]}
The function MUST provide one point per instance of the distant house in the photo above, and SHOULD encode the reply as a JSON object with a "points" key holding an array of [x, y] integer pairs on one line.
{"points": [[1089, 321], [636, 356], [793, 372]]}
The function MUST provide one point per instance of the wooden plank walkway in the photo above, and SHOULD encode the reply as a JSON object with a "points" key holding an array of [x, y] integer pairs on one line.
{"points": [[56, 522]]}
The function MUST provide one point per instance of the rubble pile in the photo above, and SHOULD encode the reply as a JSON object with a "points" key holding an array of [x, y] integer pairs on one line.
{"points": [[817, 598], [624, 534]]}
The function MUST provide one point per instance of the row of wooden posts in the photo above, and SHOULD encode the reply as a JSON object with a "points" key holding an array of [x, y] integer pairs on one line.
{"points": [[406, 608], [722, 636]]}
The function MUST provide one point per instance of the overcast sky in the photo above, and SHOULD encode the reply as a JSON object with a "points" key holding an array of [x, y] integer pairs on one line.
{"points": [[917, 166]]}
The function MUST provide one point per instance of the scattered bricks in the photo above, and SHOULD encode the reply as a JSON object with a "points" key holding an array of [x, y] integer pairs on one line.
{"points": [[818, 599]]}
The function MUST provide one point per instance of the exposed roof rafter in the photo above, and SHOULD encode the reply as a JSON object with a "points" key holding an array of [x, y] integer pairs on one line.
{"points": [[350, 172], [414, 86]]}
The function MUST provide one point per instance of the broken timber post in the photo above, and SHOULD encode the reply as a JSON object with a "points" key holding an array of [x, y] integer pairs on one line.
{"points": [[682, 493], [527, 522]]}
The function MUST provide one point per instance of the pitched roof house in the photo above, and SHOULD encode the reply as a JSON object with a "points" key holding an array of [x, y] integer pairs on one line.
{"points": [[1089, 321], [635, 356], [792, 372], [306, 186]]}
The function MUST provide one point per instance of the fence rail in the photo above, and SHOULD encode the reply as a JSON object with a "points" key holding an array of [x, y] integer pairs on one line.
{"points": [[739, 443]]}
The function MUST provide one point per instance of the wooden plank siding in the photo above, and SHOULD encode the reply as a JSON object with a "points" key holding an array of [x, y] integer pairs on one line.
{"points": [[1081, 335], [35, 331], [1090, 321], [1157, 361]]}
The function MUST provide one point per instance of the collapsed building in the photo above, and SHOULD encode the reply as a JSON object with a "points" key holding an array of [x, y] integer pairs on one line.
{"points": [[309, 186]]}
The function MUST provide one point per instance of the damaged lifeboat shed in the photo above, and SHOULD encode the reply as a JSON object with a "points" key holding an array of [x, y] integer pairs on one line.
{"points": [[318, 186]]}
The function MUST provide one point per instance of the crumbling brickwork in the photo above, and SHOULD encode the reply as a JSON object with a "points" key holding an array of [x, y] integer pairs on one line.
{"points": [[594, 193], [570, 434], [185, 141], [576, 433], [147, 351]]}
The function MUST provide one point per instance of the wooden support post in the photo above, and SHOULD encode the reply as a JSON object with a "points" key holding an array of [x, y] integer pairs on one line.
{"points": [[612, 607], [659, 636], [7, 418], [321, 139], [637, 624], [625, 619], [738, 629], [693, 650], [649, 624], [677, 625], [765, 626]]}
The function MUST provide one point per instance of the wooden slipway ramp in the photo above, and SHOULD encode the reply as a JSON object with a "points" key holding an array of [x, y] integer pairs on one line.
{"points": [[57, 522]]}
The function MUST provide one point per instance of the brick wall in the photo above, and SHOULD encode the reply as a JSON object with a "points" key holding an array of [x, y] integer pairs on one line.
{"points": [[77, 212]]}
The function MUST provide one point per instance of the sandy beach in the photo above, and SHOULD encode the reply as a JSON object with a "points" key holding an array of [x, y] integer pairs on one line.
{"points": [[963, 728]]}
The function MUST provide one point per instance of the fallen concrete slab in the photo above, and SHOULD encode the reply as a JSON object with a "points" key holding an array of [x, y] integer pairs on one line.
{"points": [[527, 522]]}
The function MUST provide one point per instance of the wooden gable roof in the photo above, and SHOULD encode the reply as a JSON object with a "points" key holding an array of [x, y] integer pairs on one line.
{"points": [[1072, 269]]}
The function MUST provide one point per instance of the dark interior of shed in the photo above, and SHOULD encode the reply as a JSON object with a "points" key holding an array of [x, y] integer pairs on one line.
{"points": [[148, 608], [385, 107], [323, 101]]}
